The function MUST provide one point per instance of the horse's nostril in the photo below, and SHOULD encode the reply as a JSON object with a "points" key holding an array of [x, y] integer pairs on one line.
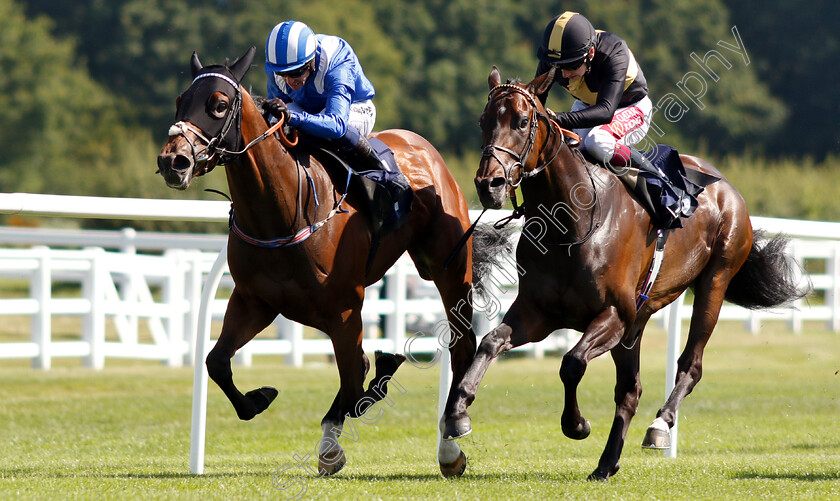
{"points": [[181, 162], [497, 182], [164, 162]]}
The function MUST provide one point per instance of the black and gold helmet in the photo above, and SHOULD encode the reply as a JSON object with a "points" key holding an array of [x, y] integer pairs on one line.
{"points": [[567, 40]]}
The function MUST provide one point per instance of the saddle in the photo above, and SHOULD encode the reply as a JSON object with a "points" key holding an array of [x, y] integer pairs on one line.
{"points": [[371, 186], [664, 187]]}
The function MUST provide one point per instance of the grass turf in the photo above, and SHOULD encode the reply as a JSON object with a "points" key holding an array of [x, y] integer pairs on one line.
{"points": [[761, 424]]}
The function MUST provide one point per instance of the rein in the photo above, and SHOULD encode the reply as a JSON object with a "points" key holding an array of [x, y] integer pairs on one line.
{"points": [[212, 148]]}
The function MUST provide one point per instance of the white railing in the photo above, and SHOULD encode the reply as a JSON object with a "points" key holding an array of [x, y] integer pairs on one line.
{"points": [[145, 306], [133, 297]]}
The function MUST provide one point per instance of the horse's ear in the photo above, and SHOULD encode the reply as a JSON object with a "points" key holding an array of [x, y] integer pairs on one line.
{"points": [[195, 64], [243, 64], [495, 78], [542, 83]]}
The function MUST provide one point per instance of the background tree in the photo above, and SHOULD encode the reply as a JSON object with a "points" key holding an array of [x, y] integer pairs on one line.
{"points": [[89, 85], [796, 50]]}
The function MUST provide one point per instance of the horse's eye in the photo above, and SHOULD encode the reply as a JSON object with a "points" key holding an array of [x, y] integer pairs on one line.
{"points": [[523, 123], [218, 105]]}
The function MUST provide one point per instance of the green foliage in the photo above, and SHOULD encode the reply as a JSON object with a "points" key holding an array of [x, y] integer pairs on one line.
{"points": [[795, 50], [450, 47], [88, 86], [787, 188]]}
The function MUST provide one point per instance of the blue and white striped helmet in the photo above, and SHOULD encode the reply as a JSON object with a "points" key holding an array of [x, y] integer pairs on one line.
{"points": [[290, 45]]}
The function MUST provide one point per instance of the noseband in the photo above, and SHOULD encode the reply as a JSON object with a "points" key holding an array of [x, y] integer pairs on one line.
{"points": [[517, 167]]}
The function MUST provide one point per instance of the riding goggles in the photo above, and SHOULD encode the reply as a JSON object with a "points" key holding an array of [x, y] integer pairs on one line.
{"points": [[295, 73], [572, 65]]}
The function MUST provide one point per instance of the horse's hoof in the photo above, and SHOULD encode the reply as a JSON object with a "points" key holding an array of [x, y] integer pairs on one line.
{"points": [[261, 398], [456, 468], [600, 475], [387, 363], [457, 428], [331, 462], [656, 438], [579, 432]]}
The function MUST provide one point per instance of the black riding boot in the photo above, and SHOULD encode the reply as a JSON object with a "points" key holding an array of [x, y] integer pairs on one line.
{"points": [[369, 160], [628, 162]]}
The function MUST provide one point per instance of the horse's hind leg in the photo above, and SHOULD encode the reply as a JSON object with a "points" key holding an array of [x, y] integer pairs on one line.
{"points": [[330, 453], [243, 320], [709, 291], [352, 401]]}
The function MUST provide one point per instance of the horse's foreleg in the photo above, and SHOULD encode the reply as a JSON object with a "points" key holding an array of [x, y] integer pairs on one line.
{"points": [[243, 320], [517, 328], [708, 298], [601, 335], [628, 390], [456, 418]]}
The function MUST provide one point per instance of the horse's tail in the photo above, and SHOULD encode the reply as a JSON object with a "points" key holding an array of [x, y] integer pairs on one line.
{"points": [[492, 248], [767, 277]]}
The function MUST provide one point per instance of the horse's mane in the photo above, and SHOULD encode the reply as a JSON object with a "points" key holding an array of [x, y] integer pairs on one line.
{"points": [[259, 101], [492, 248]]}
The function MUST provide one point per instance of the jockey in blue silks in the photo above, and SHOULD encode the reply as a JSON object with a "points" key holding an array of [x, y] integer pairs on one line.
{"points": [[317, 83]]}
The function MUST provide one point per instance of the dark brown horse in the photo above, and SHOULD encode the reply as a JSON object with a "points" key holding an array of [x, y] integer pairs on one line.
{"points": [[299, 247], [586, 248]]}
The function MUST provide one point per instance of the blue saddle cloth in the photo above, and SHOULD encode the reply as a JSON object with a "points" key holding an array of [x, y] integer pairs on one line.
{"points": [[673, 196], [394, 213]]}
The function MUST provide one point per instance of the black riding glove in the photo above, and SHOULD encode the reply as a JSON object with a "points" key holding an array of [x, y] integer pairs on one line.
{"points": [[276, 107]]}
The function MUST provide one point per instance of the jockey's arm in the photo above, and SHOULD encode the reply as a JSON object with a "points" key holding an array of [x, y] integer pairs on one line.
{"points": [[332, 121], [600, 113]]}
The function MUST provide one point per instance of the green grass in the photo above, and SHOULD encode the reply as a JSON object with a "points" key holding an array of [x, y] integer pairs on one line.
{"points": [[763, 423]]}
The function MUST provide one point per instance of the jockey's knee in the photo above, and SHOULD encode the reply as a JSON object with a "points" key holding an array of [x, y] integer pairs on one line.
{"points": [[600, 144]]}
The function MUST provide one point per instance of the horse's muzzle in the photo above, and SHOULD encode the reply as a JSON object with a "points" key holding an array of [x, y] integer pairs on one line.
{"points": [[176, 170], [492, 192]]}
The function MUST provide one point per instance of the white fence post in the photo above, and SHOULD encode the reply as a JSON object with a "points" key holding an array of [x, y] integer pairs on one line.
{"points": [[193, 297], [832, 295], [175, 293], [293, 332], [128, 285], [94, 322], [674, 329], [395, 322], [40, 288]]}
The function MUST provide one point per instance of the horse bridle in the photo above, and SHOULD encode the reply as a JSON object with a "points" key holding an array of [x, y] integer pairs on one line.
{"points": [[213, 152], [518, 158], [553, 127]]}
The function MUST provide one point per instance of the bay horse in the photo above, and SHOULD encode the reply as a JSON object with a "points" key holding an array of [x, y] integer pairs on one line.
{"points": [[299, 244], [585, 251]]}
